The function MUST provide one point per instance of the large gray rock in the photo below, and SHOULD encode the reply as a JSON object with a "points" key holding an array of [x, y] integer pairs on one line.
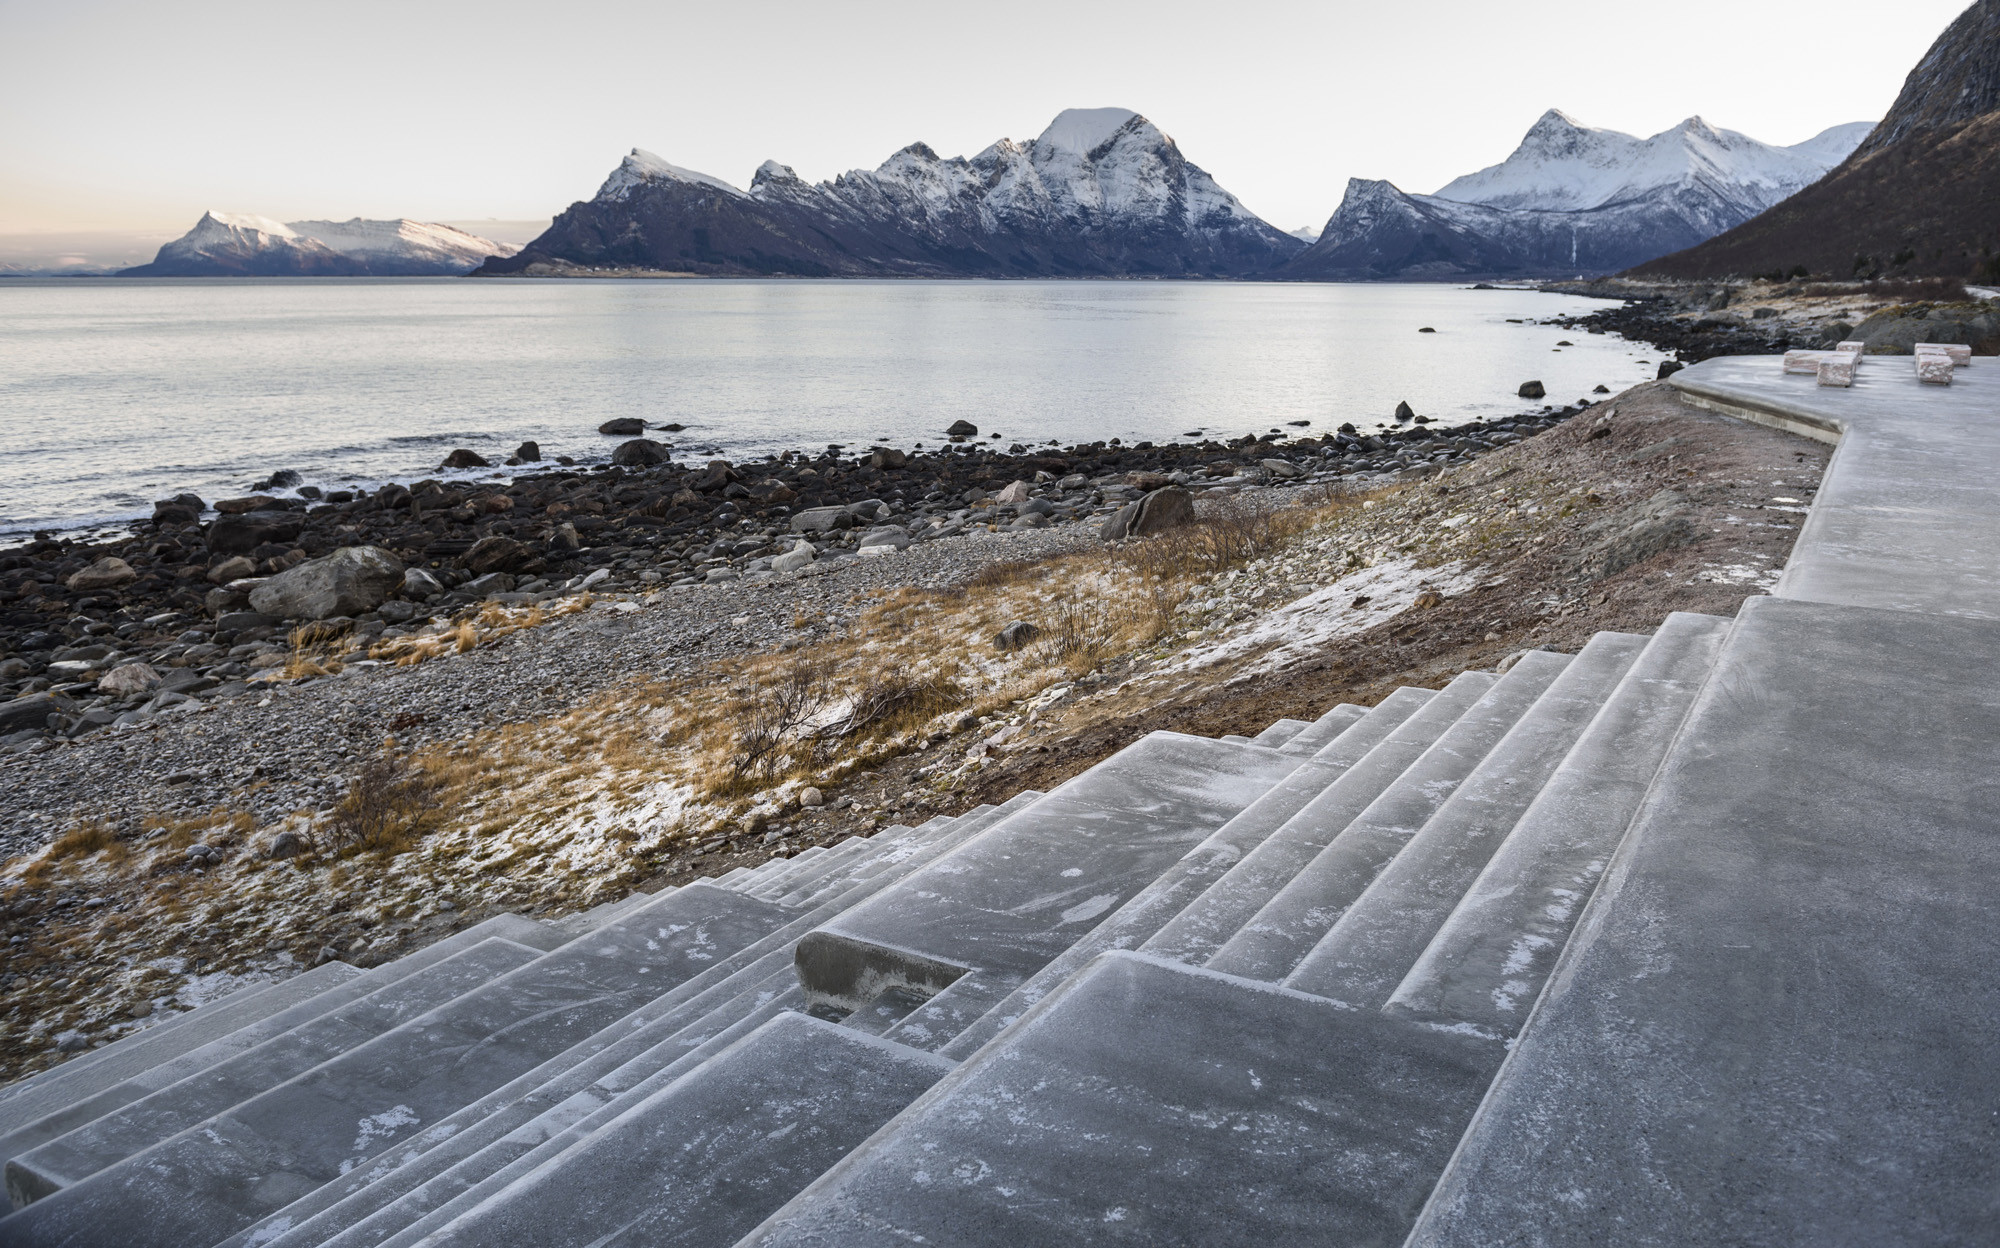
{"points": [[350, 581], [641, 453], [1157, 512], [32, 711], [241, 534], [822, 520], [109, 572]]}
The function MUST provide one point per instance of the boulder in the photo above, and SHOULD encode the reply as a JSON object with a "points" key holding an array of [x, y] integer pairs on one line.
{"points": [[128, 678], [494, 554], [107, 573], [243, 506], [795, 558], [641, 453], [1018, 492], [289, 843], [887, 457], [1148, 481], [462, 458], [33, 711], [529, 452], [962, 429], [1281, 468], [1404, 412], [418, 583], [491, 583], [349, 581], [241, 534], [242, 621], [822, 520], [1532, 390], [174, 511], [1156, 513], [234, 568], [886, 536], [1636, 533], [622, 427], [1015, 635], [1668, 368]]}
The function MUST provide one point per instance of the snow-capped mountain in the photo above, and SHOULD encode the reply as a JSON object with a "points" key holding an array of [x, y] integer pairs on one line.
{"points": [[246, 245], [1570, 200], [1100, 192]]}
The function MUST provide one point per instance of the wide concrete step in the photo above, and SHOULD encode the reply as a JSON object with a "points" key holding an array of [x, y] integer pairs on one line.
{"points": [[1776, 1020], [1324, 729], [129, 1073], [703, 1160], [1147, 1102], [216, 1179], [794, 865], [452, 1154], [604, 912], [1378, 938], [1413, 720], [435, 1201], [806, 868], [878, 853], [1488, 962], [1272, 943], [967, 1014], [1280, 732], [1014, 897], [202, 1092]]}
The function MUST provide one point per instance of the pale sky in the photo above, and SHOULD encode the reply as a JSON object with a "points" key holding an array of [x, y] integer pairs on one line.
{"points": [[137, 116]]}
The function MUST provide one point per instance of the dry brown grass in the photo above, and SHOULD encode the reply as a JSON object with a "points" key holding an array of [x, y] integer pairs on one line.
{"points": [[488, 623]]}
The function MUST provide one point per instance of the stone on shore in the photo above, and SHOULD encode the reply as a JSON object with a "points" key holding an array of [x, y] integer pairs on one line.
{"points": [[463, 458], [795, 558], [622, 427], [822, 520], [529, 452], [1015, 635], [107, 573], [350, 581], [1018, 492], [1532, 390], [962, 429], [495, 554], [234, 568], [641, 453], [1282, 468], [1156, 513], [128, 678], [418, 583]]}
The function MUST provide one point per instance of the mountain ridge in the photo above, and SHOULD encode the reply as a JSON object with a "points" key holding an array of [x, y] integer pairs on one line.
{"points": [[1915, 199], [248, 245], [1569, 200], [1101, 192]]}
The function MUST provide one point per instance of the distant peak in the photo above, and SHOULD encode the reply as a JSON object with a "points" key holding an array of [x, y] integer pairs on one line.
{"points": [[772, 171], [642, 166], [1083, 130], [245, 221], [1557, 119]]}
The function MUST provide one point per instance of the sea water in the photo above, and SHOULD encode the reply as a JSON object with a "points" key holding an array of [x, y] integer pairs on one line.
{"points": [[115, 392]]}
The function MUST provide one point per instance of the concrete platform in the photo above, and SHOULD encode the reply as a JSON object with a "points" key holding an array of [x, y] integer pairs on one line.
{"points": [[1779, 1021], [1907, 517]]}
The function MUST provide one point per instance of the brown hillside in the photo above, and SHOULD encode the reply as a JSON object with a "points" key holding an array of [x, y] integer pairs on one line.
{"points": [[1921, 197]]}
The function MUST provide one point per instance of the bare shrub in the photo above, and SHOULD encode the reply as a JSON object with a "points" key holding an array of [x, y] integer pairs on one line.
{"points": [[777, 720], [1079, 632], [1005, 572], [81, 840], [387, 807], [896, 699]]}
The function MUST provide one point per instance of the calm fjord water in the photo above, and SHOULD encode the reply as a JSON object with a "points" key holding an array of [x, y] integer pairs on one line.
{"points": [[114, 393]]}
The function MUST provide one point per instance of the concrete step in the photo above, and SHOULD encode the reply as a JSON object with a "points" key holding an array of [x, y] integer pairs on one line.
{"points": [[1273, 942], [433, 1203], [1415, 719], [1776, 1019], [852, 858], [788, 874], [959, 829], [1378, 938], [144, 1069], [1487, 964], [1324, 729], [796, 863], [454, 1152], [1147, 1102], [967, 1014], [604, 912], [189, 1093], [1015, 896], [705, 1159], [1235, 738], [1280, 732], [216, 1179]]}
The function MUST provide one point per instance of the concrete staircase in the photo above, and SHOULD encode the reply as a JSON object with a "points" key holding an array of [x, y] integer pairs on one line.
{"points": [[1686, 938], [784, 1043]]}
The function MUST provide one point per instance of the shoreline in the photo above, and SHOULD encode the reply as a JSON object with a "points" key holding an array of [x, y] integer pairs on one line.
{"points": [[173, 596]]}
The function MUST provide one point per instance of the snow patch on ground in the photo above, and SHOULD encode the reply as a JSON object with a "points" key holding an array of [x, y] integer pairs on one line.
{"points": [[1294, 631]]}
